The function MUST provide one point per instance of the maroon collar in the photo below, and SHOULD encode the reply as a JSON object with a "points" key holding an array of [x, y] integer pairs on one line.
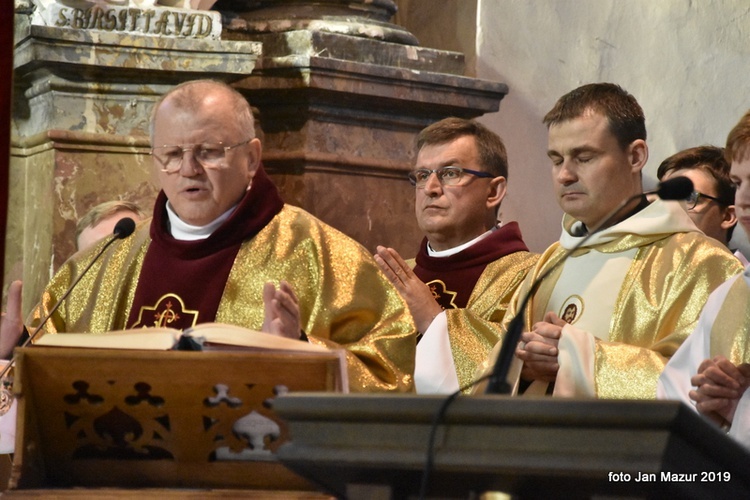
{"points": [[504, 241], [260, 204]]}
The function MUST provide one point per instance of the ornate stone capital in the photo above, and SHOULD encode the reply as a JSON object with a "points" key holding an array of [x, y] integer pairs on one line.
{"points": [[361, 18]]}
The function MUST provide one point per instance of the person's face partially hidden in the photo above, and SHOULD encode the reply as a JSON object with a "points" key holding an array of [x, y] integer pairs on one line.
{"points": [[711, 217], [592, 174], [105, 227], [197, 194]]}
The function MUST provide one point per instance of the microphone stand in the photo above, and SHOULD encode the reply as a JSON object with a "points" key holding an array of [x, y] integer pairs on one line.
{"points": [[123, 229]]}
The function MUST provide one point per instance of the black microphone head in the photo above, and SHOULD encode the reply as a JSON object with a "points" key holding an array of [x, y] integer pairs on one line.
{"points": [[676, 188], [124, 228]]}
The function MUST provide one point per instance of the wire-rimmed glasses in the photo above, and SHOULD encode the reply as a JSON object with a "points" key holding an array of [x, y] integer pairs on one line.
{"points": [[695, 198], [209, 155], [447, 176]]}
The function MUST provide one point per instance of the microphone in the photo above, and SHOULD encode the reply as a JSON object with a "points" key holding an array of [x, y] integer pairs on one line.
{"points": [[122, 230], [126, 226], [676, 188]]}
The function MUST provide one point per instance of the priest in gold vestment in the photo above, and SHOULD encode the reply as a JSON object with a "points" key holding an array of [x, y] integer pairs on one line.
{"points": [[468, 265], [222, 246], [607, 319]]}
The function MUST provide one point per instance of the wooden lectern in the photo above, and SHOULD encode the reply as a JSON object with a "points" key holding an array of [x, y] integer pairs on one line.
{"points": [[158, 419], [374, 446]]}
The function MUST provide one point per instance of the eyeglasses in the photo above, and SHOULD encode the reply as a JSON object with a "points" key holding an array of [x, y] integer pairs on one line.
{"points": [[695, 198], [208, 155], [447, 176]]}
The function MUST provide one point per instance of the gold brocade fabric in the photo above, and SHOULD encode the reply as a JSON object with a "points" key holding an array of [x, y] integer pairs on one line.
{"points": [[344, 299], [730, 333], [658, 305], [475, 330]]}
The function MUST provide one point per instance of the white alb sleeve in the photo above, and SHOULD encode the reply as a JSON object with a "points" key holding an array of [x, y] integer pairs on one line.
{"points": [[434, 368]]}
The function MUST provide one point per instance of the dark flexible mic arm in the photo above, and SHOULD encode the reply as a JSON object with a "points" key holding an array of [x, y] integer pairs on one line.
{"points": [[677, 188], [123, 229]]}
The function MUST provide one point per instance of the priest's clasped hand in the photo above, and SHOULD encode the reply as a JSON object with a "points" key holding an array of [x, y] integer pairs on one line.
{"points": [[719, 385], [538, 349]]}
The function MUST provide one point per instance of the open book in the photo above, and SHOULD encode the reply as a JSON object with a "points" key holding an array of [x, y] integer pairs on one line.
{"points": [[205, 336], [202, 337]]}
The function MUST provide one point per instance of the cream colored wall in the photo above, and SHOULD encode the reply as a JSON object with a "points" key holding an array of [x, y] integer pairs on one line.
{"points": [[686, 62]]}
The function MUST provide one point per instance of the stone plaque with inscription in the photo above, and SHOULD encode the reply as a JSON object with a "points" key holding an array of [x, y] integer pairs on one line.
{"points": [[139, 18]]}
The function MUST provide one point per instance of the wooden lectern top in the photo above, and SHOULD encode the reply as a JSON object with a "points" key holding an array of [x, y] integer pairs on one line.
{"points": [[158, 419]]}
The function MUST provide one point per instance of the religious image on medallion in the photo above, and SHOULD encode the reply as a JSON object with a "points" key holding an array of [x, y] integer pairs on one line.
{"points": [[572, 309]]}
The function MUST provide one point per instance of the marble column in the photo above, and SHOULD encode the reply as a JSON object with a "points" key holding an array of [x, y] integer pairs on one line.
{"points": [[342, 93]]}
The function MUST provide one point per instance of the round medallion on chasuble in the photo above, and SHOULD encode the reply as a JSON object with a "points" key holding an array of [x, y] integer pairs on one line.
{"points": [[571, 309]]}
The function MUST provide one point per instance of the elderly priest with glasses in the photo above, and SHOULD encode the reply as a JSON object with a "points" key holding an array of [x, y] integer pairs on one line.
{"points": [[468, 265], [223, 247]]}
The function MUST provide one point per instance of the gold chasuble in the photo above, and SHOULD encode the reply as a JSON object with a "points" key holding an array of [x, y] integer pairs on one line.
{"points": [[730, 333], [473, 287], [672, 270], [473, 331], [345, 302], [722, 330]]}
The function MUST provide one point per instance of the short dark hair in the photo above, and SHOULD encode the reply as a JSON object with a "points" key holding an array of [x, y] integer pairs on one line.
{"points": [[625, 116], [738, 140], [709, 159], [492, 153]]}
